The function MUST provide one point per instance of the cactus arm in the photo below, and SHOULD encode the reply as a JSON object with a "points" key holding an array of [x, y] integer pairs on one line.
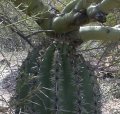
{"points": [[63, 23], [87, 33], [69, 21], [107, 5], [70, 6], [104, 6], [77, 4], [82, 4]]}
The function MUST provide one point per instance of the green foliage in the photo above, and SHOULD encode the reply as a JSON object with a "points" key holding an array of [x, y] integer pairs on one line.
{"points": [[111, 19]]}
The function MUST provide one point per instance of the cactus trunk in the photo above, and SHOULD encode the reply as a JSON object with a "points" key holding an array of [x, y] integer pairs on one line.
{"points": [[63, 84]]}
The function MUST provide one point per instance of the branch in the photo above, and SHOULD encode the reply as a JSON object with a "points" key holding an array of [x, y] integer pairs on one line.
{"points": [[78, 5], [99, 33], [6, 21], [39, 31], [70, 21]]}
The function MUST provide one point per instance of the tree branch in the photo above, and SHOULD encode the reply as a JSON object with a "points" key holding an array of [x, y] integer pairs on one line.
{"points": [[6, 21]]}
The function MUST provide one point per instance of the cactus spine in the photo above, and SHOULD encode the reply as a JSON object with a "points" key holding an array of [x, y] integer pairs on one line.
{"points": [[63, 84]]}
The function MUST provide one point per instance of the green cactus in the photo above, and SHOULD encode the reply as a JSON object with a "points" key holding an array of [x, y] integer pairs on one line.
{"points": [[59, 82]]}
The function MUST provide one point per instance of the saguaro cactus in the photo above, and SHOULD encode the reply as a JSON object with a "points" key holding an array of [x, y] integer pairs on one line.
{"points": [[58, 83]]}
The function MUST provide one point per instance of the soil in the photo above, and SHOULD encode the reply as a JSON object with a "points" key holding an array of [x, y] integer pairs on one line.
{"points": [[10, 62]]}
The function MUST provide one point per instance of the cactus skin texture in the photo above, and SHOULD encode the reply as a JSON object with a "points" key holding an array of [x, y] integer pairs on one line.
{"points": [[59, 82]]}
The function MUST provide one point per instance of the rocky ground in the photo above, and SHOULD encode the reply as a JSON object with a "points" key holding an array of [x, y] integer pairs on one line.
{"points": [[110, 89], [9, 65]]}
